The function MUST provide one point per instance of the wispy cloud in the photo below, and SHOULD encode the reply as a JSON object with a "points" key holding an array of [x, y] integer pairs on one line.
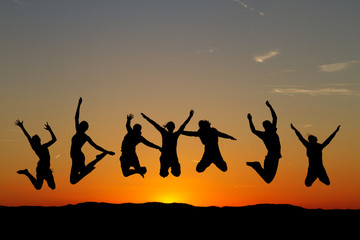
{"points": [[20, 2], [244, 5], [266, 56], [315, 92], [336, 67], [209, 50]]}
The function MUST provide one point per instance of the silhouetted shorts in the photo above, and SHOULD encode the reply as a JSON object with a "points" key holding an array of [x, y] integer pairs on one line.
{"points": [[129, 159], [169, 161], [44, 173]]}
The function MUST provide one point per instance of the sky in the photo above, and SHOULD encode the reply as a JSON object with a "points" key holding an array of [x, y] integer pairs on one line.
{"points": [[222, 58]]}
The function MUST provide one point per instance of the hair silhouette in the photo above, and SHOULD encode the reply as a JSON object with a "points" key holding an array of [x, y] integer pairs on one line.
{"points": [[209, 137], [129, 160], [43, 171], [314, 152], [272, 144], [169, 158], [78, 169]]}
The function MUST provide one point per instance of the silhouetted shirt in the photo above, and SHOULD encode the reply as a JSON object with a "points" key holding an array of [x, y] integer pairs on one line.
{"points": [[169, 142], [77, 141], [272, 142], [130, 141], [44, 156], [209, 138], [314, 153]]}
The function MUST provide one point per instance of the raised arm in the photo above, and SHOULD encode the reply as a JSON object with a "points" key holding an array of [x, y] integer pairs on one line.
{"points": [[182, 127], [149, 144], [328, 140], [157, 126], [252, 127], [298, 134], [128, 126], [77, 114], [21, 125], [91, 142], [224, 135], [273, 114], [190, 133], [53, 138]]}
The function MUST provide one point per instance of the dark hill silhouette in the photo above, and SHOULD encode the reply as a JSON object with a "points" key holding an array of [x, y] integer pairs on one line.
{"points": [[178, 220]]}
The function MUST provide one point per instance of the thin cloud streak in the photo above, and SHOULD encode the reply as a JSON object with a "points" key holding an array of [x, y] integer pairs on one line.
{"points": [[244, 5], [336, 67], [209, 50], [262, 58], [315, 92]]}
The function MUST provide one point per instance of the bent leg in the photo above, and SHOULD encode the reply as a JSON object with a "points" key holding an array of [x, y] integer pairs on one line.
{"points": [[175, 169], [37, 183], [270, 167], [323, 177], [220, 163], [78, 173], [50, 180], [203, 164], [310, 177]]}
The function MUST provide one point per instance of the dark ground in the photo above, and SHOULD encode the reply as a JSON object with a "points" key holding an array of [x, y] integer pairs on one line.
{"points": [[177, 221]]}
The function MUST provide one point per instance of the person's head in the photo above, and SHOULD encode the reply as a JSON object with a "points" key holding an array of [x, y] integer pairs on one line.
{"points": [[267, 125], [204, 124], [137, 129], [83, 126], [36, 140], [170, 126], [312, 139]]}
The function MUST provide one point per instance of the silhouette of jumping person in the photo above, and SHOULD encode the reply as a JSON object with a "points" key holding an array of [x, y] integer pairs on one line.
{"points": [[78, 169], [128, 158], [43, 171], [169, 158], [209, 137], [314, 152], [272, 144]]}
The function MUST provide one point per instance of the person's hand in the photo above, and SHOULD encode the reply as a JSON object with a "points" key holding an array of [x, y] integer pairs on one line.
{"points": [[110, 153], [130, 116], [232, 138], [19, 123], [191, 112], [47, 126], [268, 104], [338, 128], [80, 100], [292, 126], [249, 116]]}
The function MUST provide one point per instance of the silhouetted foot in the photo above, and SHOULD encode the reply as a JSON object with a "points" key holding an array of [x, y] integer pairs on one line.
{"points": [[25, 171], [252, 164], [142, 171], [100, 156]]}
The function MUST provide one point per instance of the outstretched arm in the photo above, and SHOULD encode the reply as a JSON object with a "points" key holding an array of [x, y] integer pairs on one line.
{"points": [[53, 138], [182, 127], [128, 126], [77, 114], [298, 134], [149, 144], [91, 142], [157, 126], [224, 135], [252, 127], [328, 140], [21, 125], [190, 134], [273, 114]]}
